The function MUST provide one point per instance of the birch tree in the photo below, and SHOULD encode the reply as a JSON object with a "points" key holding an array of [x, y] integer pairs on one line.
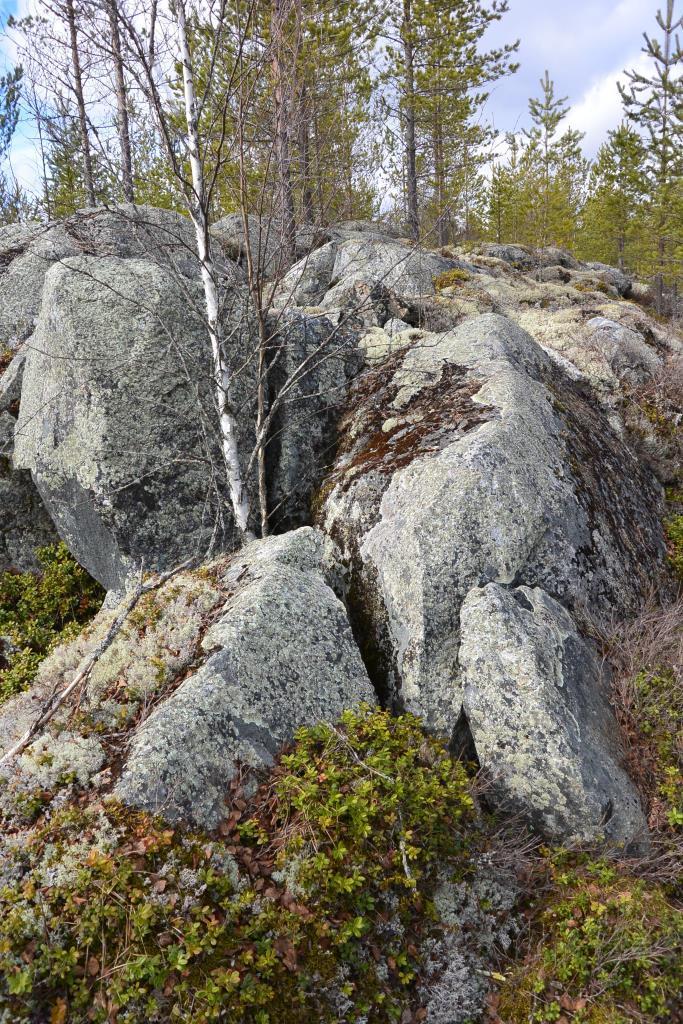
{"points": [[184, 151], [198, 210]]}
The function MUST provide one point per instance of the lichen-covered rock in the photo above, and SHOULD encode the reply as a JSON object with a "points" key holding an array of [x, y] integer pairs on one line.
{"points": [[552, 256], [612, 276], [518, 256], [161, 236], [346, 229], [157, 645], [308, 280], [282, 655], [471, 459], [117, 423], [624, 350], [409, 271], [25, 525], [263, 237], [395, 326], [540, 719], [19, 283]]}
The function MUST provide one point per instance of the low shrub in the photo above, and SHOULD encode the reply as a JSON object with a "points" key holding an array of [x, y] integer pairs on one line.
{"points": [[673, 527], [605, 947], [40, 610], [308, 907]]}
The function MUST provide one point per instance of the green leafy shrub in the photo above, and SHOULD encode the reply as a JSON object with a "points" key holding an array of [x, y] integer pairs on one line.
{"points": [[450, 278], [674, 536], [606, 949], [311, 902], [38, 611]]}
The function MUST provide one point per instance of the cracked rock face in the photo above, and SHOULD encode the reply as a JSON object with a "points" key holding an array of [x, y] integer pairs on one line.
{"points": [[25, 525], [471, 459], [283, 656], [539, 716]]}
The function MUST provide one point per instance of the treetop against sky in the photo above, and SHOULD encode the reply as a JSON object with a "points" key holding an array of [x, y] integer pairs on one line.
{"points": [[586, 47]]}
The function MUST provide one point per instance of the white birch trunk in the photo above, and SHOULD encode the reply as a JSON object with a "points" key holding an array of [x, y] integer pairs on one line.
{"points": [[221, 376]]}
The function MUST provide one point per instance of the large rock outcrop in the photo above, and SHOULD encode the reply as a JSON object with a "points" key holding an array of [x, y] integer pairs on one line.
{"points": [[470, 459], [349, 273], [481, 452], [116, 422], [284, 656], [127, 231], [410, 271]]}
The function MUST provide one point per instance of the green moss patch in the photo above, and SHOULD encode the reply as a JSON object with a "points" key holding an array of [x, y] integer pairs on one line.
{"points": [[606, 948], [6, 356], [40, 610], [450, 279], [308, 907]]}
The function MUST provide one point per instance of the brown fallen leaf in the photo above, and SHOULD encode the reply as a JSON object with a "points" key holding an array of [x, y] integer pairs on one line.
{"points": [[58, 1012]]}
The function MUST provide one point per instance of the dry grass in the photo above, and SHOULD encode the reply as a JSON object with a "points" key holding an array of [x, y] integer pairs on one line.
{"points": [[645, 656]]}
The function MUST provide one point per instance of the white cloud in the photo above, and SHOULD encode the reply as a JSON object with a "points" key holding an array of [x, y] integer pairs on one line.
{"points": [[600, 108]]}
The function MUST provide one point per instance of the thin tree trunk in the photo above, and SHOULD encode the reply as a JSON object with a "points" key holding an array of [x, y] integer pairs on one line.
{"points": [[221, 375], [439, 174], [121, 104], [409, 114], [80, 101], [305, 157], [43, 161], [282, 151], [255, 285], [319, 190]]}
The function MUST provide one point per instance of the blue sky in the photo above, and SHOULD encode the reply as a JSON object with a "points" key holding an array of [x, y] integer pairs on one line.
{"points": [[585, 44]]}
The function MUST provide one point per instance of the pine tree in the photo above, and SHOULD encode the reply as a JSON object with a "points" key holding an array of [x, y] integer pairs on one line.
{"points": [[439, 74], [612, 219], [557, 163], [66, 184], [336, 135], [654, 103], [510, 197], [11, 200]]}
